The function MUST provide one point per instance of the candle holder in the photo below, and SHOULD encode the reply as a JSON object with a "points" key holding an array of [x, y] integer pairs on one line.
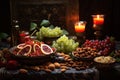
{"points": [[98, 21], [80, 37], [80, 31]]}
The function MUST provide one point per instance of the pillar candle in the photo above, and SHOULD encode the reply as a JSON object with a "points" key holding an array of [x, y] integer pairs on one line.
{"points": [[98, 19], [80, 26]]}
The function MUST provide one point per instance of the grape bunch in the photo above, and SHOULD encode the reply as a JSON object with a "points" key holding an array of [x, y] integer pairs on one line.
{"points": [[64, 44], [103, 46], [49, 32]]}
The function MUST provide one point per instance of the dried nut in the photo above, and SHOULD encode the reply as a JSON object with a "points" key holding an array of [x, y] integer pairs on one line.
{"points": [[62, 64], [82, 67], [51, 66], [42, 68], [66, 58], [45, 67], [62, 54], [69, 65], [1, 53], [48, 70], [5, 50], [63, 70], [57, 65], [69, 60], [36, 68], [77, 68], [23, 71], [64, 67]]}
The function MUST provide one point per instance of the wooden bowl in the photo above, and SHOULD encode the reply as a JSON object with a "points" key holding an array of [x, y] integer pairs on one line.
{"points": [[104, 65]]}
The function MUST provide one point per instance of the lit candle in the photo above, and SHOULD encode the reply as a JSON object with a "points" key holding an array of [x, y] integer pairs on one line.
{"points": [[80, 26], [98, 19]]}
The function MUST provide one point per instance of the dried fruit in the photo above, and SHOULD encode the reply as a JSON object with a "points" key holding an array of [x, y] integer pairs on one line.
{"points": [[36, 47], [21, 46], [25, 51], [46, 49]]}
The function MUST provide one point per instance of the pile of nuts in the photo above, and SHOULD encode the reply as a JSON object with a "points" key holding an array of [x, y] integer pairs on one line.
{"points": [[64, 56], [62, 66], [48, 67], [85, 52]]}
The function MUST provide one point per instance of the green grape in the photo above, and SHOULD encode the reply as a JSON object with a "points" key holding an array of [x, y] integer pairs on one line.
{"points": [[48, 32], [64, 44], [39, 36]]}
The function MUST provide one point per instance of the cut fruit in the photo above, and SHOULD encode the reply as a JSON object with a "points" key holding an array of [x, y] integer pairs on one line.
{"points": [[46, 49], [37, 50], [36, 47], [29, 42], [25, 51], [21, 46]]}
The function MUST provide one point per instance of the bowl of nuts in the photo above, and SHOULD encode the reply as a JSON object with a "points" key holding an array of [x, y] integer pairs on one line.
{"points": [[85, 53]]}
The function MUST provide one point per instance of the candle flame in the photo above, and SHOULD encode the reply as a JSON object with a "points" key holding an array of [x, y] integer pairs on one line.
{"points": [[98, 16], [79, 24]]}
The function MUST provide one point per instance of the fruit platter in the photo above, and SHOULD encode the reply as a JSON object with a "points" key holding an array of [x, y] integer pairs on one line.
{"points": [[32, 52]]}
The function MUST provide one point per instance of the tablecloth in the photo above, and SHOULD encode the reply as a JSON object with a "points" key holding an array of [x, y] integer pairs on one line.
{"points": [[72, 74]]}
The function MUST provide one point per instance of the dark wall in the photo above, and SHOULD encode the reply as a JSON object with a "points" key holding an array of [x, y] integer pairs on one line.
{"points": [[110, 8], [4, 16]]}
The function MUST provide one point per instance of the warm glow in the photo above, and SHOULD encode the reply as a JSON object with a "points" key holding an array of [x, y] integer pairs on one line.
{"points": [[98, 19], [80, 26]]}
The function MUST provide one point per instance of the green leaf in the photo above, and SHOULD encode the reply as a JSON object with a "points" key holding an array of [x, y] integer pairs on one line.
{"points": [[65, 32], [45, 23], [33, 26], [51, 26], [3, 35], [117, 59], [112, 39], [112, 54]]}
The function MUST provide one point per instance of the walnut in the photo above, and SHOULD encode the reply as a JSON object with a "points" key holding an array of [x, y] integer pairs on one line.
{"points": [[48, 70], [57, 65], [51, 66], [64, 67], [63, 70], [36, 68], [23, 71]]}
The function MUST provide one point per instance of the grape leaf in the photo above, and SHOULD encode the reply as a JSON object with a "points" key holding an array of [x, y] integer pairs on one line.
{"points": [[112, 39], [3, 35], [33, 26], [117, 59], [65, 32], [112, 54], [52, 27], [45, 23]]}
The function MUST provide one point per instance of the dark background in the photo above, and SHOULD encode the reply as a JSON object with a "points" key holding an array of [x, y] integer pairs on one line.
{"points": [[110, 8]]}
